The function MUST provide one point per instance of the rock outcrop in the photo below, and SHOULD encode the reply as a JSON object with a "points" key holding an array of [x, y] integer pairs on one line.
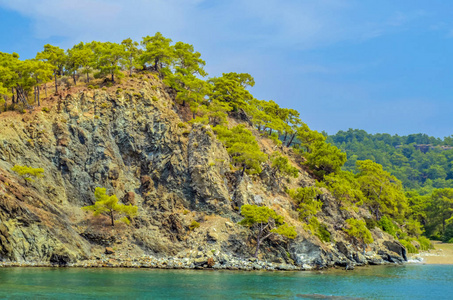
{"points": [[135, 144]]}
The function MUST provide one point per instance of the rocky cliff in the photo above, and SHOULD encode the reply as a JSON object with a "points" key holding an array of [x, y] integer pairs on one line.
{"points": [[134, 142]]}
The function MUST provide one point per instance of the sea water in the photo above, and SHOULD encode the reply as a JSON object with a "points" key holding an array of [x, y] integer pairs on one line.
{"points": [[373, 282]]}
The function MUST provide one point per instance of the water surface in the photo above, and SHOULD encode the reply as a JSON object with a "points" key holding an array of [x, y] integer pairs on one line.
{"points": [[377, 282]]}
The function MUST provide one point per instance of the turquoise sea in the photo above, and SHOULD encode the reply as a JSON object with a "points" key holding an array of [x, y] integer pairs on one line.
{"points": [[377, 282]]}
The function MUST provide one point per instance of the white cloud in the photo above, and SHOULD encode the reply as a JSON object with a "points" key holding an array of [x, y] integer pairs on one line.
{"points": [[272, 23]]}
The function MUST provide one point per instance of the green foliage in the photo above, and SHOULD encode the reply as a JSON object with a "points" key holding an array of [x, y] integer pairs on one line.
{"points": [[281, 167], [307, 199], [157, 51], [408, 245], [265, 222], [231, 89], [344, 187], [384, 193], [357, 229], [109, 206], [387, 225], [194, 225], [425, 243], [108, 58], [318, 229], [243, 147], [28, 172]]}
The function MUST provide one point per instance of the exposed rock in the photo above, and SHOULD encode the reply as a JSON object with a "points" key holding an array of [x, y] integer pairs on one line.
{"points": [[109, 250], [176, 173]]}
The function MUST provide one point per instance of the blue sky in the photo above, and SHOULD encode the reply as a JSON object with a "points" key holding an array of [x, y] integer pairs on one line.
{"points": [[382, 66]]}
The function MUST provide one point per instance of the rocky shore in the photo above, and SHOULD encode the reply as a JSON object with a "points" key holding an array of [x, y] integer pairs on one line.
{"points": [[198, 260]]}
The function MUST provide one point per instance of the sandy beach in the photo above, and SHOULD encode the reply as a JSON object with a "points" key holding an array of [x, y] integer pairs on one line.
{"points": [[442, 254]]}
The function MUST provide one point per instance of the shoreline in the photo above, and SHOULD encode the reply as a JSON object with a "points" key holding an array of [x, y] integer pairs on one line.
{"points": [[442, 254], [149, 262]]}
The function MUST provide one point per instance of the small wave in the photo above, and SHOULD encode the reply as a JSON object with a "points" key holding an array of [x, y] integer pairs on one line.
{"points": [[415, 260], [320, 296]]}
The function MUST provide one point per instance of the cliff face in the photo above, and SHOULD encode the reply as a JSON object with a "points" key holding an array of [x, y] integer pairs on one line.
{"points": [[135, 144]]}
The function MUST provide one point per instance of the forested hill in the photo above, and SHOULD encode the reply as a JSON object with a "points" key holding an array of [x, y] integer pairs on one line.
{"points": [[420, 161]]}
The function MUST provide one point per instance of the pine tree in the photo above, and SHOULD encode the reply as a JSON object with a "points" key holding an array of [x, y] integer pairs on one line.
{"points": [[242, 146], [157, 51], [56, 57], [109, 206], [265, 222]]}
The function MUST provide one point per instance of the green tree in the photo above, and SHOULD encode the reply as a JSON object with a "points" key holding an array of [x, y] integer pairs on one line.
{"points": [[281, 167], [186, 58], [383, 193], [243, 147], [307, 198], [109, 55], [265, 222], [131, 54], [80, 56], [157, 51], [109, 206], [344, 187], [440, 209], [357, 229], [56, 57], [231, 89]]}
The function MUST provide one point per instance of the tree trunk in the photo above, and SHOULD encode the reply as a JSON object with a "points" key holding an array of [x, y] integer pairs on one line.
{"points": [[39, 96], [243, 171], [258, 242], [45, 86], [6, 100], [113, 78], [291, 140], [56, 84], [258, 239], [74, 77], [111, 218], [88, 77]]}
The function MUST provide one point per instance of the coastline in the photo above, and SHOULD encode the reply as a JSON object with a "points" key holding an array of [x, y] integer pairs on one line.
{"points": [[442, 254], [202, 263]]}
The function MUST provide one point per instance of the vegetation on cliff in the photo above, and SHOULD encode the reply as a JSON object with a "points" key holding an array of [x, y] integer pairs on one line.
{"points": [[244, 125], [422, 163]]}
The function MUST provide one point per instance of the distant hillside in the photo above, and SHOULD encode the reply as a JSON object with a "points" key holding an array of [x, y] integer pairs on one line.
{"points": [[418, 160]]}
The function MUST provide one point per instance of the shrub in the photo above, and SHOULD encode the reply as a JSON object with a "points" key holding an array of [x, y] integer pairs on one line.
{"points": [[91, 87], [370, 223], [358, 229], [318, 229], [410, 248], [154, 98], [306, 198], [182, 125], [194, 225], [387, 225], [27, 172], [425, 243], [45, 109]]}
